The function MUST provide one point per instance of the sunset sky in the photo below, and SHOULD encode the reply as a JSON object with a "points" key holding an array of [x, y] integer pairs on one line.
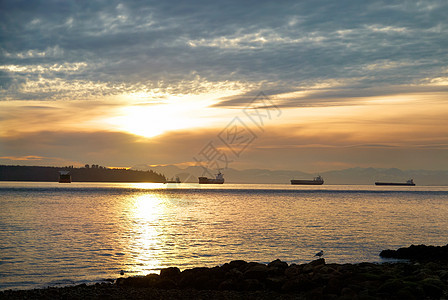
{"points": [[296, 85]]}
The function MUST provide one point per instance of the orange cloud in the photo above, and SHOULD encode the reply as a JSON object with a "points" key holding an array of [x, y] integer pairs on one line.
{"points": [[28, 157]]}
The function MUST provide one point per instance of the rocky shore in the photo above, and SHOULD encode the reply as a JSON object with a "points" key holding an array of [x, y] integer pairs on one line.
{"points": [[413, 279]]}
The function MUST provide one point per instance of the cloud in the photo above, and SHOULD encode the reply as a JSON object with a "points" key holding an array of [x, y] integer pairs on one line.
{"points": [[22, 158], [122, 46], [318, 61]]}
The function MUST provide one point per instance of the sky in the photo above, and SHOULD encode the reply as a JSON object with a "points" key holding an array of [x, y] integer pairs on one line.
{"points": [[294, 85]]}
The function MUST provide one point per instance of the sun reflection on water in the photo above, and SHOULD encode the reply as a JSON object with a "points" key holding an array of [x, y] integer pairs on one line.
{"points": [[145, 233]]}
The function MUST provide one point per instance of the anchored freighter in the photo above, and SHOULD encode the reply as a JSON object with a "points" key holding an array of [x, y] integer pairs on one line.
{"points": [[316, 181]]}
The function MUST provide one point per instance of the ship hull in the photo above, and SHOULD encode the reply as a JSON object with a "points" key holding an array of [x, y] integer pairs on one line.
{"points": [[395, 183], [205, 180], [306, 182]]}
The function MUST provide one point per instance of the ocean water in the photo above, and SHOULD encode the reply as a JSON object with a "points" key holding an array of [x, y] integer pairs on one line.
{"points": [[59, 234]]}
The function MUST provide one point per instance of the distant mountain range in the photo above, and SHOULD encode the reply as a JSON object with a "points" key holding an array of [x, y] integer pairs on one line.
{"points": [[345, 176], [191, 174]]}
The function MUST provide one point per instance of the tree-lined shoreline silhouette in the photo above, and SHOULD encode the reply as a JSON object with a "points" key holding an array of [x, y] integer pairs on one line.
{"points": [[84, 174]]}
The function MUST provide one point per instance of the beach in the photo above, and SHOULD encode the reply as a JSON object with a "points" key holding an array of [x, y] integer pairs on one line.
{"points": [[412, 279]]}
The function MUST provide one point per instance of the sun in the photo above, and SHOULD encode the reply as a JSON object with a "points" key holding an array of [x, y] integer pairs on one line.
{"points": [[150, 120]]}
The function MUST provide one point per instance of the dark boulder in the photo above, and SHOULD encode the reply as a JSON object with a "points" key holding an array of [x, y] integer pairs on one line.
{"points": [[293, 270], [419, 252], [150, 280], [278, 264], [172, 272], [256, 271], [237, 264]]}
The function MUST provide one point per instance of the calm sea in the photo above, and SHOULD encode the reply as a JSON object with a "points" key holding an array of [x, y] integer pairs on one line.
{"points": [[60, 234]]}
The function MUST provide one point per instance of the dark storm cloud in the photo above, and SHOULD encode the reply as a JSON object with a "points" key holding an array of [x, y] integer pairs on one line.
{"points": [[279, 46]]}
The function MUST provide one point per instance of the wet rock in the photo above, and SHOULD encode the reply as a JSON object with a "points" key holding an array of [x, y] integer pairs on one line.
{"points": [[166, 284], [315, 293], [252, 285], [277, 267], [391, 286], [149, 280], [278, 264], [433, 287], [431, 266], [231, 285], [334, 286], [314, 265], [301, 283], [234, 274], [202, 278], [256, 271], [172, 272], [419, 252], [275, 283], [292, 271], [237, 264], [349, 293], [311, 280], [443, 274], [290, 286], [318, 262]]}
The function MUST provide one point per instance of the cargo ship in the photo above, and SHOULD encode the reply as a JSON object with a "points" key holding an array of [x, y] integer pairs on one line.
{"points": [[316, 181], [219, 179], [410, 182], [65, 177]]}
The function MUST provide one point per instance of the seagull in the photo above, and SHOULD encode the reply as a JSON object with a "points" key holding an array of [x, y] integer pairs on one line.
{"points": [[320, 253]]}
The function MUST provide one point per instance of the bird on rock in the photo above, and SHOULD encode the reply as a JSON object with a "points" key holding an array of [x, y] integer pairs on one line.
{"points": [[320, 253]]}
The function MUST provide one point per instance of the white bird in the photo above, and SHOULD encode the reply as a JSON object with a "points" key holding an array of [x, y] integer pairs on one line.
{"points": [[320, 253]]}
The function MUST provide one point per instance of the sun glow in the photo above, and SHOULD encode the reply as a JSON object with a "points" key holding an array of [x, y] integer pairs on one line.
{"points": [[150, 120]]}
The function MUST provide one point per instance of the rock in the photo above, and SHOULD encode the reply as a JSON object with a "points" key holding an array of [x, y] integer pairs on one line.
{"points": [[149, 280], [315, 293], [278, 264], [334, 286], [419, 252], [290, 286], [292, 271], [202, 278], [232, 285], [433, 287], [275, 283], [300, 283], [391, 286], [256, 271], [252, 285], [234, 274], [172, 272], [165, 283], [431, 266], [348, 293], [277, 268], [227, 285], [237, 264], [314, 265], [443, 274], [318, 262], [316, 279]]}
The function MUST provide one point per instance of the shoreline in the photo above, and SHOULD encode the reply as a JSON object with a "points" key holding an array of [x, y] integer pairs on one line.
{"points": [[239, 279]]}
